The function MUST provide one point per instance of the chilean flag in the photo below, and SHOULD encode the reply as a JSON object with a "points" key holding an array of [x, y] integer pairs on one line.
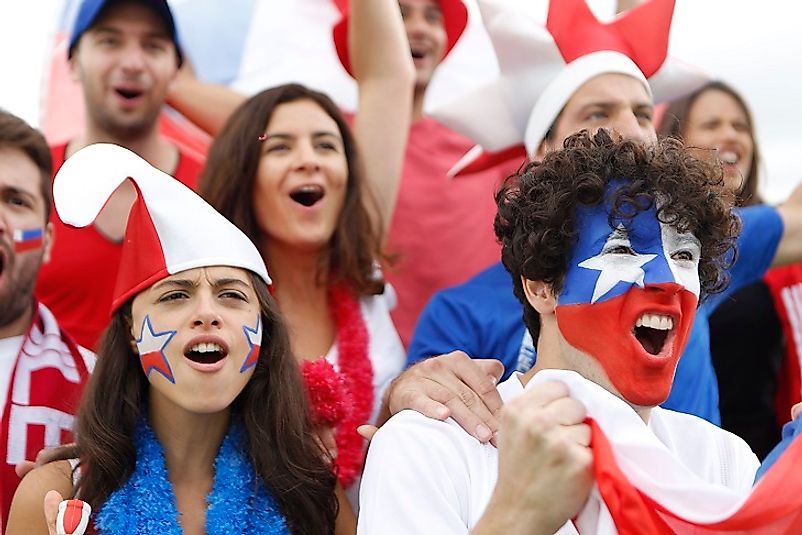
{"points": [[254, 337], [26, 240], [645, 488]]}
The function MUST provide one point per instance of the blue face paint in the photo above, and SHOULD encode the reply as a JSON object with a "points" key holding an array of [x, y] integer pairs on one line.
{"points": [[254, 337]]}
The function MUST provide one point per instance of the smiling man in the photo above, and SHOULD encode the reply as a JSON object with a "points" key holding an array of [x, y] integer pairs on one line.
{"points": [[610, 245], [125, 54], [42, 370]]}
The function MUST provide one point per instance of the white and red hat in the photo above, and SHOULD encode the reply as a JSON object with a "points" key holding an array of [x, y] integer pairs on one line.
{"points": [[542, 66], [170, 228], [455, 18]]}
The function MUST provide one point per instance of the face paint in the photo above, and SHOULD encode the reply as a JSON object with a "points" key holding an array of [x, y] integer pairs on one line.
{"points": [[27, 240], [629, 299], [254, 337], [151, 350]]}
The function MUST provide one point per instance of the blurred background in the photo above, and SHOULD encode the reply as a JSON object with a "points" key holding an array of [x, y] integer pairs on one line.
{"points": [[253, 44]]}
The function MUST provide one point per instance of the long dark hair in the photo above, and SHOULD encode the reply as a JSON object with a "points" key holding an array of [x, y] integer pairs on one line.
{"points": [[272, 406], [675, 120], [227, 183]]}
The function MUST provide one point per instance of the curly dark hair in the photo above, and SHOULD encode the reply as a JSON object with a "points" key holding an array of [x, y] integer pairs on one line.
{"points": [[537, 206]]}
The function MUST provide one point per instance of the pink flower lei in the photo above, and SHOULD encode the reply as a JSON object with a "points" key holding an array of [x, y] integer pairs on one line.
{"points": [[344, 399]]}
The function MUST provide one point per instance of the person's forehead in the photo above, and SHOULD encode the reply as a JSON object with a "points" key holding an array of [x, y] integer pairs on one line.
{"points": [[419, 3], [715, 101], [19, 172], [123, 14], [611, 88]]}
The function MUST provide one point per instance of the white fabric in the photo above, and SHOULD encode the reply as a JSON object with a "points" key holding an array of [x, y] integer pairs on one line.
{"points": [[9, 349], [426, 476], [387, 356], [192, 233]]}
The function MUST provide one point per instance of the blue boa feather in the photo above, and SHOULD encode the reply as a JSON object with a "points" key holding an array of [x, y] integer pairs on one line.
{"points": [[145, 504]]}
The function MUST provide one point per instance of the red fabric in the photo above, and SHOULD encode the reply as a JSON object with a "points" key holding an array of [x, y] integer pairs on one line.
{"points": [[142, 265], [455, 18], [488, 160], [442, 228], [774, 506], [77, 284], [785, 285], [38, 392], [641, 33]]}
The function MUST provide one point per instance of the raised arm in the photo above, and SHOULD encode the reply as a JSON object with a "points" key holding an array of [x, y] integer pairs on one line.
{"points": [[382, 66], [790, 248]]}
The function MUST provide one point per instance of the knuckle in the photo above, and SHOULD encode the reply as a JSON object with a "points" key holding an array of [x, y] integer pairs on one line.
{"points": [[468, 397]]}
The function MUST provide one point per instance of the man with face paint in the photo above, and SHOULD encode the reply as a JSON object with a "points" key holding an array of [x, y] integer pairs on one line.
{"points": [[569, 85], [42, 370], [610, 245]]}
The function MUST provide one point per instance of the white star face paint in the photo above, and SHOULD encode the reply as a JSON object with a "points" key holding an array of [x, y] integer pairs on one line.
{"points": [[629, 298]]}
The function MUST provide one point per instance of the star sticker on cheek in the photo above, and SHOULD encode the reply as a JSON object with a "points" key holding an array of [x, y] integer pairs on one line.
{"points": [[151, 350], [254, 337], [615, 268]]}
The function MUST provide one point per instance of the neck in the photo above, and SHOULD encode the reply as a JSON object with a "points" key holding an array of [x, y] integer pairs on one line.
{"points": [[18, 326], [417, 102], [294, 272], [551, 356], [190, 440], [151, 146]]}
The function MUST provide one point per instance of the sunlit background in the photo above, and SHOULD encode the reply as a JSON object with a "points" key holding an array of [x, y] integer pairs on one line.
{"points": [[754, 45]]}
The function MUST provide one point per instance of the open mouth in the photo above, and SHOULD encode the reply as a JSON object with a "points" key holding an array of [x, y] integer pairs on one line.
{"points": [[728, 157], [128, 93], [652, 331], [206, 353], [417, 53], [308, 195]]}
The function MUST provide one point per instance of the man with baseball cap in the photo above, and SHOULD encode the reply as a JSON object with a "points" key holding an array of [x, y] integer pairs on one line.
{"points": [[125, 54]]}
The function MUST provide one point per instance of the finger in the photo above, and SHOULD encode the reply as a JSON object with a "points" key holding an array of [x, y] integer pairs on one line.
{"points": [[367, 431], [579, 434], [567, 411], [491, 367], [542, 394], [50, 505], [23, 468], [57, 453], [795, 410], [422, 395], [467, 408]]}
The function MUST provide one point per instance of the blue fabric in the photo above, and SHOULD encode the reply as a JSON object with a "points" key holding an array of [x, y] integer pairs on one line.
{"points": [[238, 502], [483, 318], [791, 430]]}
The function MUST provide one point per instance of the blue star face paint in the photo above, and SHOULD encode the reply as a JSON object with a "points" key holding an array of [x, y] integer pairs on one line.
{"points": [[629, 298], [151, 346]]}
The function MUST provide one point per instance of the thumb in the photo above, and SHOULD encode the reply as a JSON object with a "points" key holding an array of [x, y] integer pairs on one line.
{"points": [[367, 431], [52, 499]]}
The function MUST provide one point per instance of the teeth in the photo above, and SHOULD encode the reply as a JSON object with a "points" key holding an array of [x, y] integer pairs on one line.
{"points": [[655, 321], [206, 348], [728, 156]]}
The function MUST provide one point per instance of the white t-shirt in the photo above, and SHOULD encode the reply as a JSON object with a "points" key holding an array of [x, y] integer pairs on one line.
{"points": [[424, 476]]}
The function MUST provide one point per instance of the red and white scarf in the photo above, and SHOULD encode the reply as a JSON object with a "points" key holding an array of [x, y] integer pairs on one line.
{"points": [[644, 488], [47, 380]]}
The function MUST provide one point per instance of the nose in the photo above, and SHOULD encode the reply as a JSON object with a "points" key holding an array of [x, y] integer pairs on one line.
{"points": [[667, 288], [133, 58], [415, 24], [629, 127], [206, 315], [307, 159]]}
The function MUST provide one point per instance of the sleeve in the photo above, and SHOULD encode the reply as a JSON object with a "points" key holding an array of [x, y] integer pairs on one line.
{"points": [[761, 231], [791, 430], [415, 480], [445, 325]]}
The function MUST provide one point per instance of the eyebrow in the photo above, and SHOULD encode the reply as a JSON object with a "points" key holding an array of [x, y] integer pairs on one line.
{"points": [[117, 31], [286, 135], [13, 190]]}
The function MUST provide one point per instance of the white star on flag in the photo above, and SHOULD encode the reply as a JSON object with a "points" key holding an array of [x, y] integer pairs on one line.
{"points": [[616, 268]]}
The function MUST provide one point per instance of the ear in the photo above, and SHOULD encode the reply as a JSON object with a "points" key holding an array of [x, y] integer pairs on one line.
{"points": [[540, 295], [72, 65], [48, 241]]}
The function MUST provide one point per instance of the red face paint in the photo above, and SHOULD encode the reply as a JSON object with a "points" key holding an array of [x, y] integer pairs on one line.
{"points": [[641, 377]]}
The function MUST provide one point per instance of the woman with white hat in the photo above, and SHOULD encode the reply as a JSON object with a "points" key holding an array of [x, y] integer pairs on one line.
{"points": [[195, 420]]}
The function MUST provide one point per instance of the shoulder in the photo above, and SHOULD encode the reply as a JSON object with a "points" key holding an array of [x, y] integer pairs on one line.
{"points": [[711, 452], [27, 514]]}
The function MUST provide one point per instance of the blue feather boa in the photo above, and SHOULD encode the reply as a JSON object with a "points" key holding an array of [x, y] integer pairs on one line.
{"points": [[145, 504]]}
